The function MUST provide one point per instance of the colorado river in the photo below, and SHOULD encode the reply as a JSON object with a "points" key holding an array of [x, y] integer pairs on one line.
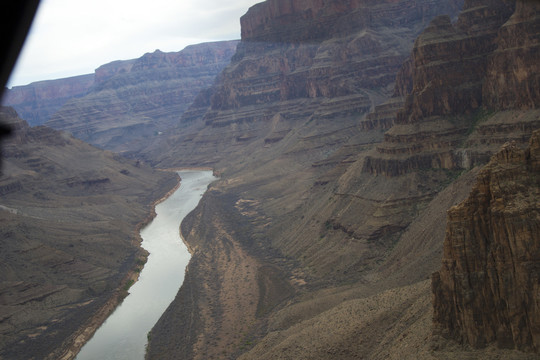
{"points": [[124, 334]]}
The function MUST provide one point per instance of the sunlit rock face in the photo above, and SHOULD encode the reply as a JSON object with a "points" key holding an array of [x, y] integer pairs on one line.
{"points": [[133, 102]]}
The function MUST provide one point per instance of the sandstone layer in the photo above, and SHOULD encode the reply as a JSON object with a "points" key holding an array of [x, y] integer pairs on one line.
{"points": [[134, 102], [69, 239]]}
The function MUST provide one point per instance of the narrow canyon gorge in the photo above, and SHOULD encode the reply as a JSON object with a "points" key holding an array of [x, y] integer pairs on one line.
{"points": [[377, 190]]}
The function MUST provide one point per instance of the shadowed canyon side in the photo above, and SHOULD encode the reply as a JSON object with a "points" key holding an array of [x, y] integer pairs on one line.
{"points": [[69, 236], [487, 288], [133, 102], [337, 168]]}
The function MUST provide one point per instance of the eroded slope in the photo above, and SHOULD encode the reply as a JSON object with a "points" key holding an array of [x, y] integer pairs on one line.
{"points": [[68, 239]]}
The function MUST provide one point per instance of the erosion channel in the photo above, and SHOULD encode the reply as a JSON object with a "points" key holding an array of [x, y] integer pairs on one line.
{"points": [[124, 334]]}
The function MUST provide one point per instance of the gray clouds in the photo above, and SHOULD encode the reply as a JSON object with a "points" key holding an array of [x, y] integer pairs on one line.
{"points": [[73, 37]]}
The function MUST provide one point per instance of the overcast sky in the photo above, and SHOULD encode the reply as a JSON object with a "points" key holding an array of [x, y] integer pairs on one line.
{"points": [[74, 37]]}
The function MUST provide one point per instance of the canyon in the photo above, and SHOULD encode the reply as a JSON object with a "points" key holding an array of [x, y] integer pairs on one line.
{"points": [[69, 240], [124, 104], [378, 176], [336, 178], [36, 102]]}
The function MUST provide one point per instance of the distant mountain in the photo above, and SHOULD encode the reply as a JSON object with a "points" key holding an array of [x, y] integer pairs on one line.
{"points": [[133, 102], [69, 215], [37, 101]]}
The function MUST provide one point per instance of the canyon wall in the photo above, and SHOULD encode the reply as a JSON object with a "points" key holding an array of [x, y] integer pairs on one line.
{"points": [[133, 102], [487, 288], [342, 132], [37, 101], [287, 127], [69, 237], [340, 148]]}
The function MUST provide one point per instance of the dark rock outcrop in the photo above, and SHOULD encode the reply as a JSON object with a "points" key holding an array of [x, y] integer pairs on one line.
{"points": [[487, 288]]}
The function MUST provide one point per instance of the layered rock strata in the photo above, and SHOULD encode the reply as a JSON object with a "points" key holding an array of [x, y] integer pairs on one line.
{"points": [[286, 120], [68, 240], [422, 138], [38, 101], [274, 85], [134, 102], [487, 288], [462, 73]]}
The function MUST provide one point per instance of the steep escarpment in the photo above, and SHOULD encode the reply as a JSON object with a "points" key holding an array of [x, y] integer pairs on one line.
{"points": [[133, 102], [283, 123], [512, 77], [337, 172], [486, 290], [68, 240], [38, 101], [274, 86]]}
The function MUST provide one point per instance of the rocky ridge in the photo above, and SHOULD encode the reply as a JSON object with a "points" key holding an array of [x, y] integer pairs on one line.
{"points": [[38, 101], [133, 102], [69, 237]]}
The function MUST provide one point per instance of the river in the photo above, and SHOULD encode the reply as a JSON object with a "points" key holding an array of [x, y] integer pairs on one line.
{"points": [[124, 333]]}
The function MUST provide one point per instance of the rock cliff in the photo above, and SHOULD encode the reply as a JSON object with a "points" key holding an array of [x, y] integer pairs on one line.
{"points": [[273, 85], [337, 169], [341, 141], [133, 102], [287, 127], [450, 64], [68, 240], [487, 288], [37, 101], [512, 76]]}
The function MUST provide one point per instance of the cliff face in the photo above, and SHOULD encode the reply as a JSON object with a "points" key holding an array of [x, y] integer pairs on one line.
{"points": [[459, 72], [334, 79], [133, 102], [334, 171], [487, 288], [301, 20], [36, 102], [512, 79], [69, 213], [286, 126]]}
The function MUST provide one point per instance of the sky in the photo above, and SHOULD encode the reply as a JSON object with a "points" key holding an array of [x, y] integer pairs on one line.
{"points": [[74, 37]]}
